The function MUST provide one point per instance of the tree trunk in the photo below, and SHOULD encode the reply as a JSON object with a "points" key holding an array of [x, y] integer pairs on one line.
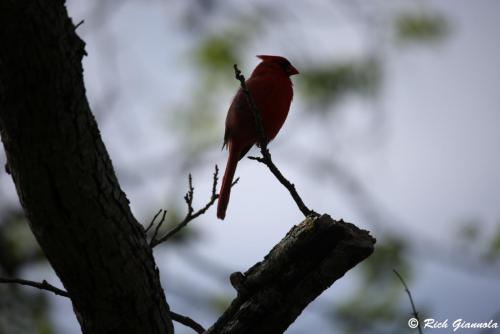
{"points": [[65, 179]]}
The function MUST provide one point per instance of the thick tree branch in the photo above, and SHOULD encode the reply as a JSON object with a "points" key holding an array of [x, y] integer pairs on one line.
{"points": [[266, 155], [311, 257]]}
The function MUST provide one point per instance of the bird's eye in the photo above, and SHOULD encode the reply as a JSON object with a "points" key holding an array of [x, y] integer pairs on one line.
{"points": [[285, 64]]}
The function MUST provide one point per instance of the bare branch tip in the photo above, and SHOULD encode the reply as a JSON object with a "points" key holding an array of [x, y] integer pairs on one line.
{"points": [[44, 285], [153, 221], [79, 24], [214, 184], [414, 309], [235, 181], [154, 240]]}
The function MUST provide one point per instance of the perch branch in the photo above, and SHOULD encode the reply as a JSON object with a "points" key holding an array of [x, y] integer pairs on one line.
{"points": [[415, 313], [266, 155], [44, 285], [311, 257]]}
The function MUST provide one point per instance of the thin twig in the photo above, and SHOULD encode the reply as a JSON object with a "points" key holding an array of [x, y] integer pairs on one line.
{"points": [[42, 286], [191, 214], [415, 313], [182, 319], [232, 184], [188, 198], [266, 155], [187, 321], [157, 229], [79, 24], [152, 221]]}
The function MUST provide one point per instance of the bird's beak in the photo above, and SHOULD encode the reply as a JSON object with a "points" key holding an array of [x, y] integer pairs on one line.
{"points": [[292, 70]]}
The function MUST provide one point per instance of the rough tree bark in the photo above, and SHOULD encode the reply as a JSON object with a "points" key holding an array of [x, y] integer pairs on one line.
{"points": [[65, 179], [82, 220], [311, 257]]}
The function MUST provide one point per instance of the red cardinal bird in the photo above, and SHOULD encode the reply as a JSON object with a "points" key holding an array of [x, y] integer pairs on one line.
{"points": [[271, 89]]}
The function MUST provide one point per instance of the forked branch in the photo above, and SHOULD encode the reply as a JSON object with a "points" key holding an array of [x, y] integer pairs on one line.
{"points": [[191, 214]]}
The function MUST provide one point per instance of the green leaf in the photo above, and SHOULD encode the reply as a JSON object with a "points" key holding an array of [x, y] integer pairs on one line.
{"points": [[327, 85], [217, 53], [469, 231], [493, 252], [420, 27]]}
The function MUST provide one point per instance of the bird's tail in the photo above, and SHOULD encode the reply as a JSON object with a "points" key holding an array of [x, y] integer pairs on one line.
{"points": [[225, 190]]}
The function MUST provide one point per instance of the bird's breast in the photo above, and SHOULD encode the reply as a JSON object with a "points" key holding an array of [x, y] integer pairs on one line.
{"points": [[272, 95], [273, 98]]}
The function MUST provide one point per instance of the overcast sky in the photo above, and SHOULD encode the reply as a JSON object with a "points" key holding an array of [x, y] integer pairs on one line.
{"points": [[437, 165]]}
